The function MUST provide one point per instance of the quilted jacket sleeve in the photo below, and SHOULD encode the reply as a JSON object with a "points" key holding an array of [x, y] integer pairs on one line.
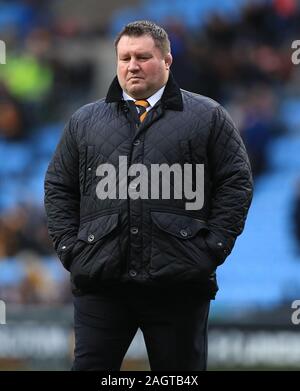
{"points": [[62, 195], [232, 184]]}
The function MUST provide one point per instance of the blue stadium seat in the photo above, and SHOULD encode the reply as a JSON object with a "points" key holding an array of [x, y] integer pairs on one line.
{"points": [[15, 15], [55, 268], [290, 114], [45, 139], [191, 13], [15, 158], [12, 272], [263, 268]]}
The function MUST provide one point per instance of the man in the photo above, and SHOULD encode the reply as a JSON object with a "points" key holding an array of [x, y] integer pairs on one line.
{"points": [[138, 261]]}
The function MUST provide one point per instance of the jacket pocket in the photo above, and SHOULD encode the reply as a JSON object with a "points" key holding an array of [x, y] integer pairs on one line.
{"points": [[178, 248], [89, 169], [98, 251]]}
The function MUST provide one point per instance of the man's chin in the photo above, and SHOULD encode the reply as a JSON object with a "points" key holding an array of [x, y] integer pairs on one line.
{"points": [[137, 92]]}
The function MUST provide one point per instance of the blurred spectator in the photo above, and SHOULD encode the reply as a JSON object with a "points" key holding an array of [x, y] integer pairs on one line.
{"points": [[183, 67], [24, 227], [37, 285], [12, 119], [254, 111], [27, 78]]}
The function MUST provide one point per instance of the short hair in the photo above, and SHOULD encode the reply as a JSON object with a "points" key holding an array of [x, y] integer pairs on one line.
{"points": [[145, 27]]}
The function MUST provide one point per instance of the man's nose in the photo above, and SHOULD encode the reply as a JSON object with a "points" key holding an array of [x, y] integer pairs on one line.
{"points": [[133, 65]]}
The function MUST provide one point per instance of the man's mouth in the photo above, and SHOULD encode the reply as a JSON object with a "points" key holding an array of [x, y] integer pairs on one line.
{"points": [[135, 78]]}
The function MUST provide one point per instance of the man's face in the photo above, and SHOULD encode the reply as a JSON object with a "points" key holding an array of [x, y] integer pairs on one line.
{"points": [[142, 68]]}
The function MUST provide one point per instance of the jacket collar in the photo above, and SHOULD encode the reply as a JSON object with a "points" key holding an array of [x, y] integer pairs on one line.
{"points": [[171, 98]]}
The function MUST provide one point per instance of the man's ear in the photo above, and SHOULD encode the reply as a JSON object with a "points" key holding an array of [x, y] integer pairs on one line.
{"points": [[168, 60]]}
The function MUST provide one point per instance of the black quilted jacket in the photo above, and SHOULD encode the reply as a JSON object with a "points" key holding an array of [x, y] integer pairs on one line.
{"points": [[154, 243]]}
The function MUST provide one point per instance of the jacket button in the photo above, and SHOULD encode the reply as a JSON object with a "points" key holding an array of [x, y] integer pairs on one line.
{"points": [[136, 142], [132, 273], [220, 244], [91, 238], [64, 247], [134, 230], [183, 233]]}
